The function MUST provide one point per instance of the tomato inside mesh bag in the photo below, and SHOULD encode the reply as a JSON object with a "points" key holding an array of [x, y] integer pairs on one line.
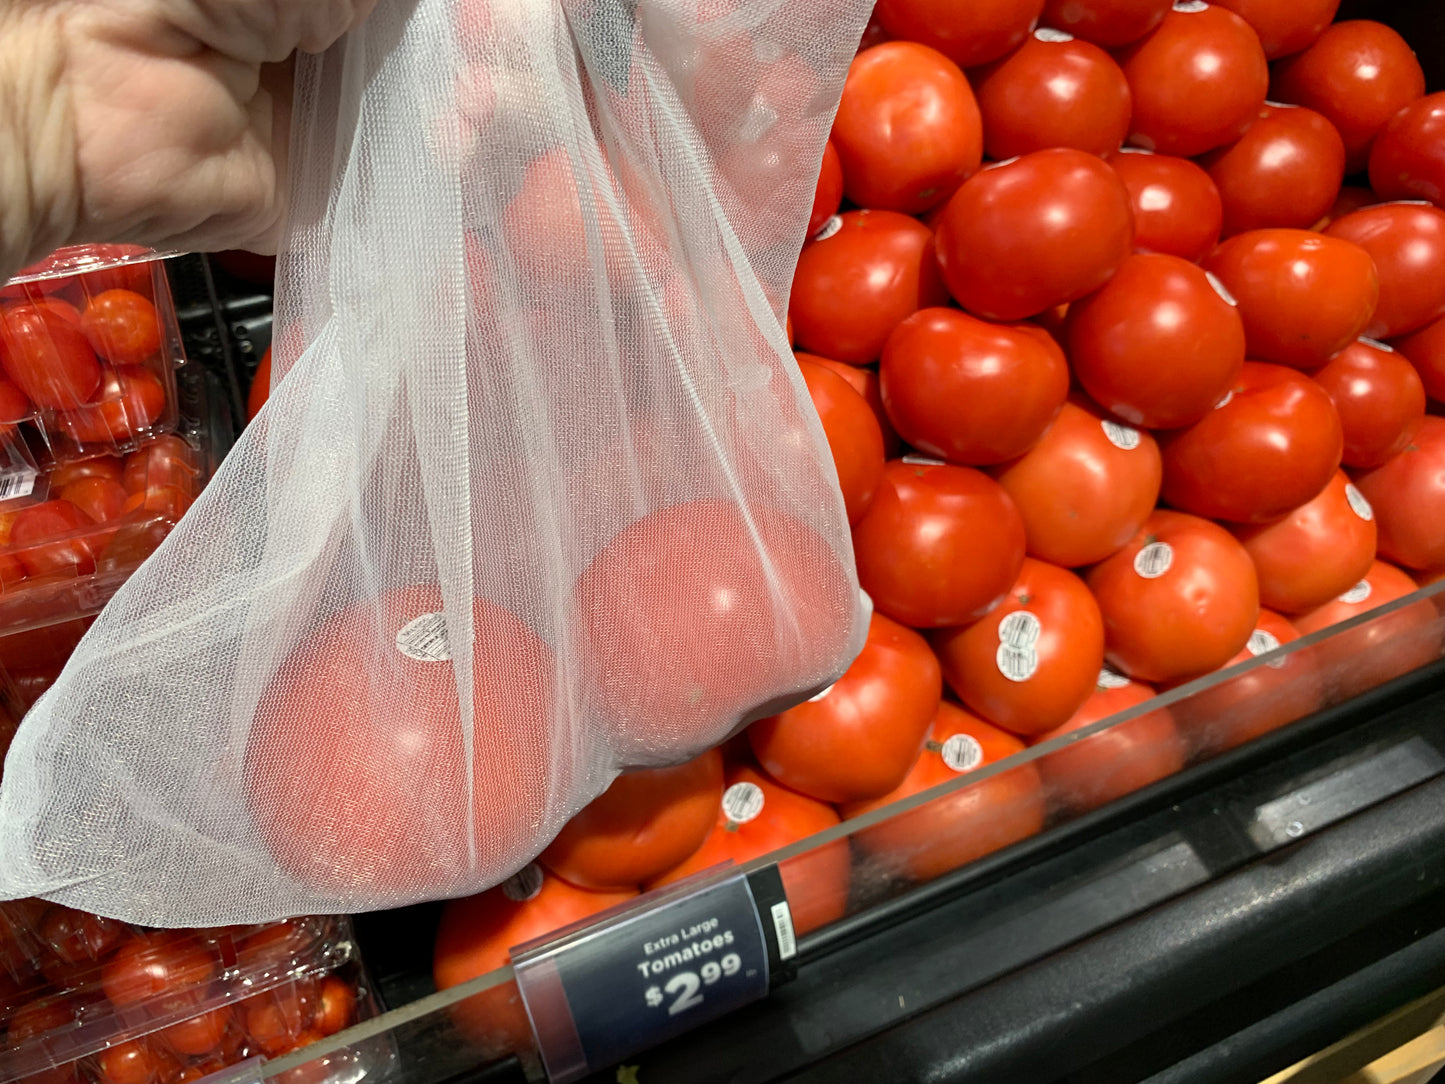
{"points": [[538, 494]]}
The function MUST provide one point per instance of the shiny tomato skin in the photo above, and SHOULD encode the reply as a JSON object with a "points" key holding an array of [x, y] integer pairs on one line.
{"points": [[1178, 601], [1407, 493], [200, 1034], [968, 822], [866, 383], [1380, 399], [130, 400], [1302, 297], [907, 128], [134, 1061], [1380, 649], [852, 287], [1085, 488], [1115, 761], [1284, 26], [1406, 241], [14, 404], [641, 826], [969, 391], [854, 436], [122, 327], [260, 389], [76, 937], [676, 662], [1407, 159], [827, 197], [158, 967], [1285, 171], [1197, 81], [1357, 73], [941, 545], [1317, 551], [858, 738], [969, 34], [1023, 236], [1272, 446], [336, 1005], [1176, 204], [47, 357], [1107, 23], [99, 498], [1156, 307], [38, 537], [1032, 661], [1425, 349], [1052, 93], [816, 881], [167, 460]]}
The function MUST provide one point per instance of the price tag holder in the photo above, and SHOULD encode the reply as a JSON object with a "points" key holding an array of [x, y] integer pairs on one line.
{"points": [[714, 943]]}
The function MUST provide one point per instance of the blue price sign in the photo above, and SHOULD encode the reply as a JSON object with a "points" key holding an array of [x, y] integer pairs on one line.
{"points": [[654, 971]]}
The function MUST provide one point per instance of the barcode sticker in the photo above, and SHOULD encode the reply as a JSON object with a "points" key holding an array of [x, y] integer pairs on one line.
{"points": [[18, 484], [783, 927]]}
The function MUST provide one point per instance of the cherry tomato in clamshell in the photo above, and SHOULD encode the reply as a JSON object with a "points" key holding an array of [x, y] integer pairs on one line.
{"points": [[47, 357], [941, 545], [1303, 298], [853, 284], [200, 1034], [1271, 445], [1117, 760], [1406, 241], [336, 1005], [100, 466], [1284, 26], [1286, 170], [972, 392], [1107, 23], [1407, 159], [1314, 553], [1407, 493], [969, 34], [100, 498], [32, 1021], [58, 306], [1380, 399], [854, 436], [135, 1061], [1425, 349], [168, 502], [1197, 81], [167, 967], [1177, 209], [1022, 236], [1052, 91], [130, 400], [134, 275], [857, 739], [968, 822], [277, 1018], [37, 537], [1178, 601], [826, 198], [1358, 74], [76, 937], [1156, 307], [14, 405], [907, 130], [866, 383], [165, 461], [122, 327]]}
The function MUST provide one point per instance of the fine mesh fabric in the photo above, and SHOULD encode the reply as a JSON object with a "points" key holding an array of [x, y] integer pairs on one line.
{"points": [[538, 495]]}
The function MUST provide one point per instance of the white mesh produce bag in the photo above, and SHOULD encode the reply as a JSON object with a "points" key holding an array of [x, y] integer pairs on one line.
{"points": [[541, 497]]}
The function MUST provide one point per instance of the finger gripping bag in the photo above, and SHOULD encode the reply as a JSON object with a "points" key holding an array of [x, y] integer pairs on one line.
{"points": [[539, 496]]}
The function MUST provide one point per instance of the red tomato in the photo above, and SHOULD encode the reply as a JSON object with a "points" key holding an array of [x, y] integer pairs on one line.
{"points": [[39, 539], [1407, 243], [1053, 91], [134, 1061], [32, 1021], [1285, 170], [1197, 81], [1407, 159], [686, 625], [165, 461], [1425, 349], [1108, 23], [1314, 553], [100, 466], [1023, 236], [99, 498], [873, 34], [1272, 445], [1156, 307], [130, 400], [865, 382], [1241, 707], [200, 1034], [968, 822], [1179, 600], [1085, 488], [1407, 493], [758, 816], [76, 937], [279, 1019], [14, 406], [47, 357], [641, 826], [1302, 297], [1378, 650], [170, 502], [121, 326], [1116, 760], [135, 275], [970, 34], [336, 1005], [907, 128], [857, 738], [1284, 26], [165, 967], [1380, 400], [854, 436], [1032, 661], [1358, 74], [940, 546], [969, 391], [260, 387], [60, 307], [355, 774], [1177, 209], [855, 283]]}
